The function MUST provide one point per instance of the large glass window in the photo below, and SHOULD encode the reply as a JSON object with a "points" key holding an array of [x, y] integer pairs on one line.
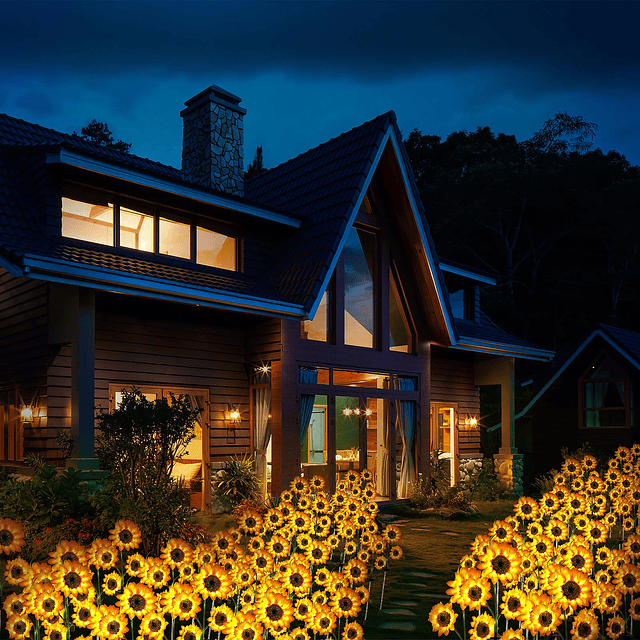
{"points": [[359, 287], [88, 217], [136, 230], [175, 239], [316, 328], [400, 335]]}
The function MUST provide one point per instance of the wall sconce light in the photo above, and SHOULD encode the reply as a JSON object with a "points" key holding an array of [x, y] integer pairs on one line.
{"points": [[470, 422], [26, 414], [232, 415]]}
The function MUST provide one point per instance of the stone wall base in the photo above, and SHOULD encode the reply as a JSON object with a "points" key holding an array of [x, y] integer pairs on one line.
{"points": [[509, 469]]}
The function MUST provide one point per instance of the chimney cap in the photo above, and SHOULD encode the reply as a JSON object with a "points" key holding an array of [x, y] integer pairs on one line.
{"points": [[216, 94]]}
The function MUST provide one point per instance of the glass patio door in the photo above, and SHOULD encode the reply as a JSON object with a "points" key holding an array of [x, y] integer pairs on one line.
{"points": [[444, 436]]}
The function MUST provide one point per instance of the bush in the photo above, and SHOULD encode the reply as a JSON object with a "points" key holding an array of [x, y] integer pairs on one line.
{"points": [[137, 445], [484, 484], [236, 482]]}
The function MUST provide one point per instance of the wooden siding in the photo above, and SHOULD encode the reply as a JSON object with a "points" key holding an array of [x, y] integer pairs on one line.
{"points": [[263, 342], [23, 345], [154, 344], [452, 381]]}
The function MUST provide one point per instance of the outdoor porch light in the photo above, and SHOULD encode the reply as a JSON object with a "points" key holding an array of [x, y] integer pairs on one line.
{"points": [[470, 422], [232, 415], [26, 414]]}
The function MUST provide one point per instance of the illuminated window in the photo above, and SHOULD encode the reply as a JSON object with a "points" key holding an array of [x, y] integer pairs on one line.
{"points": [[400, 334], [216, 249], [175, 238], [136, 230], [316, 327], [359, 286], [88, 217]]}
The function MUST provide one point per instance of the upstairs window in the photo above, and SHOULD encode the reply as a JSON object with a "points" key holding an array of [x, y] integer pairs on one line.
{"points": [[107, 220], [605, 396]]}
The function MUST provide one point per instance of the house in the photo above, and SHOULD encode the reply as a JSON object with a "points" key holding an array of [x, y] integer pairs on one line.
{"points": [[305, 312], [588, 397]]}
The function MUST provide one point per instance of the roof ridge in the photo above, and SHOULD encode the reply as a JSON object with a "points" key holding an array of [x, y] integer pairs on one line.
{"points": [[387, 114]]}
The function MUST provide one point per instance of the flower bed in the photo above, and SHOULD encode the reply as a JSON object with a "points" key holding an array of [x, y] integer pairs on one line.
{"points": [[299, 569], [565, 565]]}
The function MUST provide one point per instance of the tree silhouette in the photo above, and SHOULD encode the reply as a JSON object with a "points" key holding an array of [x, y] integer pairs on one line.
{"points": [[100, 133]]}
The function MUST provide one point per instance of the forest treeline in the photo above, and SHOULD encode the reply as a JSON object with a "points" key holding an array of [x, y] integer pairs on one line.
{"points": [[554, 220]]}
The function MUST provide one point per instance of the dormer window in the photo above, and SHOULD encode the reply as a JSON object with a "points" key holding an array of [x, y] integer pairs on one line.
{"points": [[115, 222], [605, 396]]}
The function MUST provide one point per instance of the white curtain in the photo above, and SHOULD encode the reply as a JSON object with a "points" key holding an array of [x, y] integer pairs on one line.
{"points": [[262, 433]]}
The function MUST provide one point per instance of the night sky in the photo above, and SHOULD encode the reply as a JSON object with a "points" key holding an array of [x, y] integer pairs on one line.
{"points": [[307, 71]]}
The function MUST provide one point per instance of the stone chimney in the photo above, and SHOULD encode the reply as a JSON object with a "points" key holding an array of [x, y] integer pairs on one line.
{"points": [[212, 153]]}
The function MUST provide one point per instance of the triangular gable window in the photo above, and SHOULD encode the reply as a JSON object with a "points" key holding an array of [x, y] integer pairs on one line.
{"points": [[400, 332]]}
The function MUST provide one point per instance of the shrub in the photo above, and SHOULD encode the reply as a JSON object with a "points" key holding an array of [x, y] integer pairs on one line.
{"points": [[137, 445], [483, 484], [236, 482]]}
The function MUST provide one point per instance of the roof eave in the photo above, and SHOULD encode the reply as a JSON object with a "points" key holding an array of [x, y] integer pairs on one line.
{"points": [[80, 161], [503, 349], [56, 270]]}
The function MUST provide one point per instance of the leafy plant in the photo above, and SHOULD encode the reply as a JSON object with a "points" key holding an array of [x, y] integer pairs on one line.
{"points": [[64, 440], [483, 484], [137, 445], [237, 481]]}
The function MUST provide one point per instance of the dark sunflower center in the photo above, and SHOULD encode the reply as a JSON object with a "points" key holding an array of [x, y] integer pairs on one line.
{"points": [[325, 623], [444, 618], [303, 609], [84, 614], [6, 537], [513, 603], [278, 548], [16, 607], [526, 509], [356, 572], [111, 584], [578, 561], [177, 555], [158, 576], [135, 564], [113, 627], [483, 630], [69, 555], [137, 602], [275, 612], [571, 590], [16, 572], [352, 633], [584, 630], [556, 532], [125, 536], [610, 601], [501, 564], [106, 558], [55, 635], [575, 504], [616, 628], [545, 619], [261, 562], [296, 580], [250, 522], [345, 604], [49, 604], [299, 522], [72, 580], [475, 593], [189, 635], [248, 634], [541, 547], [220, 618], [223, 544], [20, 627], [317, 554], [186, 606], [629, 580], [212, 583]]}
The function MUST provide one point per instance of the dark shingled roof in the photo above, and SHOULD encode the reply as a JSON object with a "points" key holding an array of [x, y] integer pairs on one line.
{"points": [[628, 341], [323, 186]]}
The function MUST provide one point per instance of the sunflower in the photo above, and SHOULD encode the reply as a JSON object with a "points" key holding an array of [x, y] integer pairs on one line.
{"points": [[515, 604], [136, 565], [72, 578], [183, 601], [571, 467], [570, 588], [629, 523], [320, 597], [345, 603], [324, 620], [542, 547], [607, 599], [248, 630], [279, 547], [243, 575], [316, 483], [482, 626], [585, 626], [512, 634], [55, 630], [615, 627], [68, 550], [84, 613], [544, 617], [111, 583], [18, 572], [500, 562], [102, 554], [223, 543], [176, 553], [579, 557], [300, 520], [305, 502], [557, 530], [303, 541], [110, 623], [627, 578], [594, 484], [189, 632], [297, 579], [47, 604], [19, 626], [136, 600], [442, 618], [352, 631], [222, 619], [322, 505], [299, 485], [11, 536], [125, 535], [250, 521], [526, 508], [296, 634], [255, 544], [157, 573], [634, 609], [549, 503], [323, 576], [474, 591], [602, 577], [275, 611], [318, 552], [16, 604]]}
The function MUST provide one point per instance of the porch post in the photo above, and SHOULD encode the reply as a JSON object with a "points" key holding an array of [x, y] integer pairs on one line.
{"points": [[423, 465], [83, 382]]}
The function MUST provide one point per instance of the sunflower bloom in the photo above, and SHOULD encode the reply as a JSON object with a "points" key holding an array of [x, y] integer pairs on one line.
{"points": [[103, 554], [324, 621], [482, 626], [475, 591], [18, 572], [72, 578], [16, 604], [11, 536], [48, 604], [579, 557], [84, 613], [297, 579], [442, 618], [111, 583], [570, 588], [176, 553], [125, 535], [136, 600], [19, 627], [68, 550], [345, 603], [222, 619], [250, 521], [157, 573], [189, 632], [544, 617], [352, 631], [212, 581], [136, 565], [627, 578], [515, 604], [585, 626], [152, 626], [615, 627], [110, 624], [275, 611], [184, 601], [512, 634], [500, 562]]}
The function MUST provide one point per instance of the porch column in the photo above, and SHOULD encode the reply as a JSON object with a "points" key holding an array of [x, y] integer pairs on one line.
{"points": [[508, 462], [424, 414], [83, 382]]}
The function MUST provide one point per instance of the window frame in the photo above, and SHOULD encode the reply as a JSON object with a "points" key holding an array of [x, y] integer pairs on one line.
{"points": [[72, 190], [583, 411]]}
